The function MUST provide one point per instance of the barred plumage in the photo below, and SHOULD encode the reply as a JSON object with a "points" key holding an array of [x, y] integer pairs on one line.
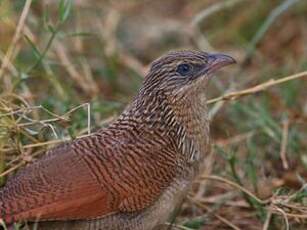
{"points": [[132, 174]]}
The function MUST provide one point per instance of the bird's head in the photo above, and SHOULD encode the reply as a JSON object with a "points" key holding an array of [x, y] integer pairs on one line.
{"points": [[183, 71]]}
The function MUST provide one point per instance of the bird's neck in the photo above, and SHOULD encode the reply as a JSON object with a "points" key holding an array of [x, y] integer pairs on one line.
{"points": [[187, 109], [183, 116], [191, 111]]}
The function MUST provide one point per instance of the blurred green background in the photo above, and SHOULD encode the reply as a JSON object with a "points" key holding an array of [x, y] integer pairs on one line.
{"points": [[67, 54]]}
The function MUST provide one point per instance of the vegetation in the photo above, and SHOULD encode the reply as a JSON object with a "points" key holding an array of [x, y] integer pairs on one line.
{"points": [[69, 67]]}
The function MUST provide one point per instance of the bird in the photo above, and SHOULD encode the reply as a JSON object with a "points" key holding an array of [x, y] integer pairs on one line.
{"points": [[134, 173]]}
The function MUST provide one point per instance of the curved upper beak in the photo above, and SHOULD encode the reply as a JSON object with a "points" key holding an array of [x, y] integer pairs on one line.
{"points": [[217, 61]]}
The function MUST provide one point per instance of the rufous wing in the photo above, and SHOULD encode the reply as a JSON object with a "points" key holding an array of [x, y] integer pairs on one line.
{"points": [[84, 181], [59, 186]]}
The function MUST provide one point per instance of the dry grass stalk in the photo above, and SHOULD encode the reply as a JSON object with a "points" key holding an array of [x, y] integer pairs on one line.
{"points": [[267, 221], [235, 139], [284, 214], [222, 219], [275, 205], [21, 114], [86, 84], [17, 35], [284, 143], [258, 88], [221, 198], [233, 184]]}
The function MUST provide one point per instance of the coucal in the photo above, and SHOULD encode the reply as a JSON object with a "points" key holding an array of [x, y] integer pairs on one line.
{"points": [[132, 174]]}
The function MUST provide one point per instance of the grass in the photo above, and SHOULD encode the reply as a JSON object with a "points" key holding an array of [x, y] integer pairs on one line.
{"points": [[59, 56]]}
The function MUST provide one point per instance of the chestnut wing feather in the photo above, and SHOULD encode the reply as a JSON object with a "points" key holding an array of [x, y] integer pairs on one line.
{"points": [[84, 180], [55, 187]]}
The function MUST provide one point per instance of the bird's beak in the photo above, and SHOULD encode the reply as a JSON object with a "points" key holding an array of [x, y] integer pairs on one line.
{"points": [[217, 61]]}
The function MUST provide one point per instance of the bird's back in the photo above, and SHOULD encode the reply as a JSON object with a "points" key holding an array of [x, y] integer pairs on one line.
{"points": [[117, 170]]}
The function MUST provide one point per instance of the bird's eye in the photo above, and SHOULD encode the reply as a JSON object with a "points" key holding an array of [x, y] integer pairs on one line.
{"points": [[184, 69]]}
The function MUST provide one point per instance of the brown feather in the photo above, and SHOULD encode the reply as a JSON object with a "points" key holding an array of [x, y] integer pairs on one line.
{"points": [[124, 175]]}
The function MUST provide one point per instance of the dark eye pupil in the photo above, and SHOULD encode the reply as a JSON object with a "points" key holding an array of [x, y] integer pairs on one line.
{"points": [[183, 69]]}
